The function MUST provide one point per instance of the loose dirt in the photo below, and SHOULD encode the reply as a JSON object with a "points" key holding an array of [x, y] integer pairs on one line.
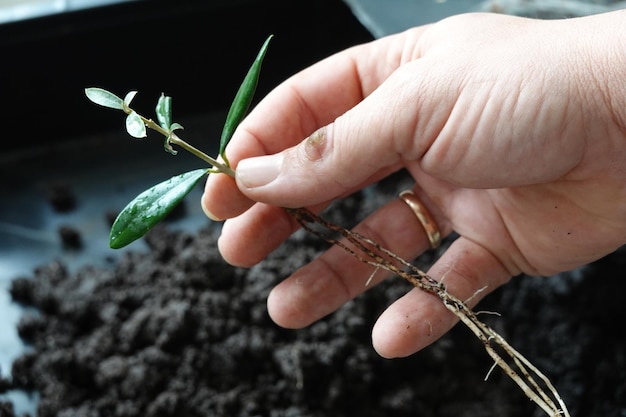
{"points": [[175, 331]]}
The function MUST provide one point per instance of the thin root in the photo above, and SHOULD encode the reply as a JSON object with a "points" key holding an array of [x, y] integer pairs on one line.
{"points": [[522, 372]]}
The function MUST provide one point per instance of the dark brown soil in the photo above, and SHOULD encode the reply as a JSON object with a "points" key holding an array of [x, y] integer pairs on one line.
{"points": [[70, 237], [177, 332], [61, 197]]}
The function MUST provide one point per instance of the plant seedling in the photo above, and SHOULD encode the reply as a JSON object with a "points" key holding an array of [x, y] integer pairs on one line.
{"points": [[154, 204]]}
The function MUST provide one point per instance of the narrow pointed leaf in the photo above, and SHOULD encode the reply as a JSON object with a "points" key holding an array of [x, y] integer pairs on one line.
{"points": [[135, 126], [104, 98], [151, 207], [164, 111], [243, 99]]}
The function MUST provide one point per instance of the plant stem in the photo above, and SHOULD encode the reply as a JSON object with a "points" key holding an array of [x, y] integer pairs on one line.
{"points": [[174, 139], [223, 168]]}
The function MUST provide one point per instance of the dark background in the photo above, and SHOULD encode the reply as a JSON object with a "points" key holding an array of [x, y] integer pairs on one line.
{"points": [[196, 51]]}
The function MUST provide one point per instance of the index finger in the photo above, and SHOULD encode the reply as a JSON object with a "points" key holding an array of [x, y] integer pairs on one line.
{"points": [[305, 102]]}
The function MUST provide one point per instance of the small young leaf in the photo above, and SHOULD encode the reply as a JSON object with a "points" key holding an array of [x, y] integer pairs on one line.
{"points": [[104, 98], [176, 126], [243, 99], [164, 111], [168, 146], [135, 126], [128, 98], [152, 206]]}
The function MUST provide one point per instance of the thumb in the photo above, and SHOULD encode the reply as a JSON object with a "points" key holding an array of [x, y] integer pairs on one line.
{"points": [[357, 149]]}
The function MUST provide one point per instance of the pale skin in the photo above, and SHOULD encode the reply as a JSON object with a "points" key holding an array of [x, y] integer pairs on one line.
{"points": [[515, 133]]}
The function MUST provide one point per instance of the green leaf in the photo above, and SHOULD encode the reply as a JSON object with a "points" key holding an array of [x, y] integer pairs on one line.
{"points": [[128, 98], [176, 126], [104, 98], [152, 206], [168, 146], [164, 111], [135, 126], [243, 99]]}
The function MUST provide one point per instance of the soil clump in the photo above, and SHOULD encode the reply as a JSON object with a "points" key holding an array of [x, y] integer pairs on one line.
{"points": [[175, 331]]}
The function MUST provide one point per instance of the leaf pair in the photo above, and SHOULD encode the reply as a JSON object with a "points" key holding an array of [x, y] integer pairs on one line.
{"points": [[164, 116], [135, 125], [153, 205]]}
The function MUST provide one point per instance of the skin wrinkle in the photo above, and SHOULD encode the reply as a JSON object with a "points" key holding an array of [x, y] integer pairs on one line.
{"points": [[448, 166], [432, 160], [568, 125], [306, 124], [402, 149], [405, 149], [610, 222], [412, 147], [412, 48], [304, 109], [319, 144], [519, 261], [531, 118], [523, 263], [604, 67], [580, 79], [336, 276], [441, 157], [358, 75], [582, 69], [259, 143], [563, 239], [369, 76], [511, 246], [619, 106]]}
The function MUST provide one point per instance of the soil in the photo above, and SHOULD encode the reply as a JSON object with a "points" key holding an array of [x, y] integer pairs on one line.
{"points": [[175, 331], [70, 237], [61, 196]]}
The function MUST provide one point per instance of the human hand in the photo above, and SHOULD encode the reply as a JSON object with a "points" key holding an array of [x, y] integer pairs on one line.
{"points": [[514, 130]]}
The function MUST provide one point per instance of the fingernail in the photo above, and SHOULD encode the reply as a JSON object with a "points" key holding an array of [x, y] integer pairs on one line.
{"points": [[259, 171], [208, 213]]}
